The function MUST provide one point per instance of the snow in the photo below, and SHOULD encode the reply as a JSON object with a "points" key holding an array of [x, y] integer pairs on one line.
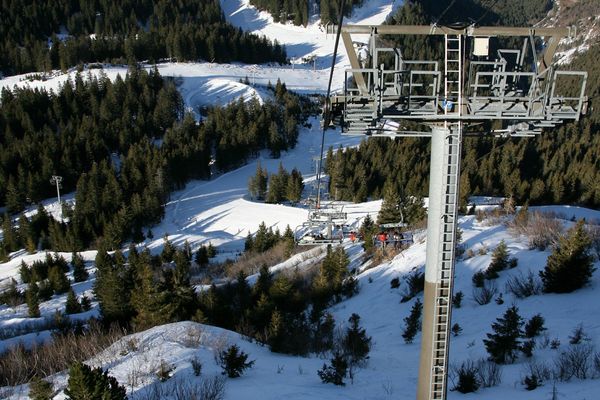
{"points": [[312, 40], [392, 368]]}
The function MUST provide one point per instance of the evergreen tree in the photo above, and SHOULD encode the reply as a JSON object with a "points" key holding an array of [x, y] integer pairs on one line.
{"points": [[72, 306], [367, 231], [86, 383], [80, 274], [201, 257], [168, 251], [295, 186], [40, 389], [390, 209], [412, 323], [181, 294], [112, 289], [10, 236], [503, 344], [58, 280], [147, 300], [257, 185], [336, 372], [32, 300], [570, 266], [356, 343], [499, 261], [234, 362]]}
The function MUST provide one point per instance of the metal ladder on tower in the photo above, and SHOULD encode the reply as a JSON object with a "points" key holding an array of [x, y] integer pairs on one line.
{"points": [[452, 109]]}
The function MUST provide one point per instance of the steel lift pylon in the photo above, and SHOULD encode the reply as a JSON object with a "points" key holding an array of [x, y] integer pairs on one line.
{"points": [[522, 88]]}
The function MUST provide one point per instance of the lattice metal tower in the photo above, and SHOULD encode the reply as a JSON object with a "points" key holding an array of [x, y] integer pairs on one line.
{"points": [[473, 84]]}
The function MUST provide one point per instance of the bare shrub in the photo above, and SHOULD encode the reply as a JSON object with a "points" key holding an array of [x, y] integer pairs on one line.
{"points": [[489, 373], [541, 370], [193, 337], [522, 286], [484, 294], [542, 230], [469, 254], [250, 263], [577, 361], [491, 216], [18, 364], [183, 389]]}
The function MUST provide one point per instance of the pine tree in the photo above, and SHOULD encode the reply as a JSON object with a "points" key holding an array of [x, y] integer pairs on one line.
{"points": [[80, 274], [147, 299], [499, 261], [257, 185], [168, 251], [40, 389], [295, 186], [58, 280], [72, 306], [86, 383], [234, 362], [32, 300], [356, 344], [182, 300], [412, 323], [201, 257], [503, 344], [570, 266], [112, 289], [390, 209], [336, 372], [367, 231]]}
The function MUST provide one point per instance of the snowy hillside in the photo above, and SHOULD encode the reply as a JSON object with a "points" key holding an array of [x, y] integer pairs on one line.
{"points": [[391, 371]]}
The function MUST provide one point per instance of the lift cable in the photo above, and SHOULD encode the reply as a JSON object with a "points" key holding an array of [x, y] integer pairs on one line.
{"points": [[327, 108]]}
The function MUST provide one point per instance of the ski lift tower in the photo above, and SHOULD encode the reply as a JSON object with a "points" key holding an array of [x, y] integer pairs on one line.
{"points": [[476, 82]]}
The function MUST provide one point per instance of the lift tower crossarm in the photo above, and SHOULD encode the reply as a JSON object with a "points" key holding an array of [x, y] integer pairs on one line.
{"points": [[554, 36], [471, 87]]}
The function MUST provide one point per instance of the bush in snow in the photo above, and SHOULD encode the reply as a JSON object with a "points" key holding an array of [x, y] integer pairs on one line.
{"points": [[577, 361], [536, 373], [412, 323], [524, 286], [336, 372], [40, 389], [484, 294], [416, 284], [468, 379], [457, 299], [578, 335], [534, 326], [233, 361]]}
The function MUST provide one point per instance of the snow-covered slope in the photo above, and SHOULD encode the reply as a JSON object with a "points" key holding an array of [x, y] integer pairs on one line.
{"points": [[391, 372], [312, 40]]}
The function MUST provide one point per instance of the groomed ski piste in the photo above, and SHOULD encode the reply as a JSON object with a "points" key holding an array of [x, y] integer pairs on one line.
{"points": [[219, 211]]}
